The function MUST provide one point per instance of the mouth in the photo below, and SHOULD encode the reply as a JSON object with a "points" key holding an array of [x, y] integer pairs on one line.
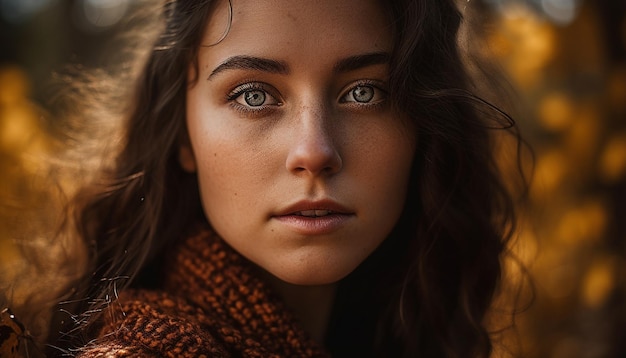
{"points": [[314, 213], [314, 222], [315, 218], [314, 209]]}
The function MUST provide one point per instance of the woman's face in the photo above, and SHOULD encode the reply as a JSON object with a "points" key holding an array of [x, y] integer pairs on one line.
{"points": [[302, 165]]}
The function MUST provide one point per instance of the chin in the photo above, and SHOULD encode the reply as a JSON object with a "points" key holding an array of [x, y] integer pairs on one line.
{"points": [[307, 281], [313, 276]]}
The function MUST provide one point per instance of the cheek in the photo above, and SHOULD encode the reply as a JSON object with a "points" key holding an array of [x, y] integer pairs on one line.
{"points": [[384, 164], [233, 164], [233, 175], [224, 176], [385, 173]]}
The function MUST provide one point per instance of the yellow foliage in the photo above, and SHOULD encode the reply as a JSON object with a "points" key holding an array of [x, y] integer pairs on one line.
{"points": [[598, 282], [22, 138], [20, 127], [524, 42], [585, 223], [612, 165], [556, 111], [14, 85], [550, 171], [583, 139]]}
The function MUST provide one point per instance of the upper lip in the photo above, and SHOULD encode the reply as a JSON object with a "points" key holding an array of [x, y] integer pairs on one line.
{"points": [[305, 205]]}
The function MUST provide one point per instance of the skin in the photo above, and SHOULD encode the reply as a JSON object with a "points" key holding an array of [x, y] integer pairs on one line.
{"points": [[309, 140]]}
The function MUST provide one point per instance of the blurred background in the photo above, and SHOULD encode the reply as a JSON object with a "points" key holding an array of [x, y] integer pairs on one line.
{"points": [[566, 61]]}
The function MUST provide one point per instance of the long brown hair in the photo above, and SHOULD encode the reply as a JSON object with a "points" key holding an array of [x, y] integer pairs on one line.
{"points": [[431, 282]]}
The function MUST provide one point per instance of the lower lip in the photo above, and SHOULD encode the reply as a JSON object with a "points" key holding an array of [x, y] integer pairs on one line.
{"points": [[314, 225]]}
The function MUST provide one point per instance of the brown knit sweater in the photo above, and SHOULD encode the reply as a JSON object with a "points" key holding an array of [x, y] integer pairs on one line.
{"points": [[211, 305]]}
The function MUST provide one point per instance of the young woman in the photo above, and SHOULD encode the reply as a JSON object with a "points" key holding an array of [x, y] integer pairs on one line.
{"points": [[296, 178]]}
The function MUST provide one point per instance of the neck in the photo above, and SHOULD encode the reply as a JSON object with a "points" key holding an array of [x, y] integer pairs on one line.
{"points": [[312, 305]]}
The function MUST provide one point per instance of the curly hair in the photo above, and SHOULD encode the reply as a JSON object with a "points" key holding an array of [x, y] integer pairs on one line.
{"points": [[426, 290]]}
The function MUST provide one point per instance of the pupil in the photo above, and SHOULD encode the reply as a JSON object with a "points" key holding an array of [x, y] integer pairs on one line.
{"points": [[254, 98], [363, 94]]}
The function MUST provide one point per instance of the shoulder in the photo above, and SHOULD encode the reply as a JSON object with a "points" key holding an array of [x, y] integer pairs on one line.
{"points": [[148, 323]]}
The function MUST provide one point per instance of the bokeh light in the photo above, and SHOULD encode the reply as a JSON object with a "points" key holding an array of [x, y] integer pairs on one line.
{"points": [[561, 12], [571, 80], [97, 15], [16, 11]]}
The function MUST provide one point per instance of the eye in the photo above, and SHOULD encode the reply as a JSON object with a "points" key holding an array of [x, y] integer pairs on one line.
{"points": [[254, 98], [364, 93], [253, 95]]}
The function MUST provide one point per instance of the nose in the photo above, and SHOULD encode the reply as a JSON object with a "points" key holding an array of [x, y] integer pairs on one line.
{"points": [[313, 150]]}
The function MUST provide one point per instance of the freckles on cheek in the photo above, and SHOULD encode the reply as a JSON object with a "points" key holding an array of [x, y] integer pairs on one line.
{"points": [[223, 167], [215, 168]]}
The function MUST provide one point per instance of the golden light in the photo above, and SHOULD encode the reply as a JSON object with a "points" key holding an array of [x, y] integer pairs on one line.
{"points": [[556, 111], [524, 42], [582, 139], [560, 279], [598, 282], [14, 86], [612, 164], [550, 172], [582, 224], [20, 127], [617, 85]]}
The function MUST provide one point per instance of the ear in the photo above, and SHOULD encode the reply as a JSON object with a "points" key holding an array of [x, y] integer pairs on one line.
{"points": [[186, 158]]}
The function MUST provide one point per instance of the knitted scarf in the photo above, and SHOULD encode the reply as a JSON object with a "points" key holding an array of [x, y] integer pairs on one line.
{"points": [[211, 305]]}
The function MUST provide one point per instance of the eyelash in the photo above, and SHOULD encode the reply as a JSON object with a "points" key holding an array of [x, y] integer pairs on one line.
{"points": [[241, 89], [378, 86]]}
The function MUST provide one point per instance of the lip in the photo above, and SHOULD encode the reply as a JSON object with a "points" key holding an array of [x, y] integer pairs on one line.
{"points": [[306, 205], [334, 216]]}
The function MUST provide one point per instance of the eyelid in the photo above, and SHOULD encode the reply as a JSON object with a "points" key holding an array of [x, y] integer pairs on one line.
{"points": [[251, 111], [251, 86], [376, 84]]}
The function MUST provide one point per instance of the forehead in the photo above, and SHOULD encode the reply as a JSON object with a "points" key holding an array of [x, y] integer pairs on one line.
{"points": [[310, 28]]}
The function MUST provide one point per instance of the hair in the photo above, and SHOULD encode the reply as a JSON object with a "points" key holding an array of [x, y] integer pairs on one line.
{"points": [[430, 283]]}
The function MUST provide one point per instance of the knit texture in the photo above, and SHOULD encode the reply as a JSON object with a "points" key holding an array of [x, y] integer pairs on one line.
{"points": [[211, 305]]}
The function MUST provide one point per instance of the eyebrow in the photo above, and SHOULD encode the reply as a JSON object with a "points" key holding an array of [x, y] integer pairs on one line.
{"points": [[251, 63], [353, 63], [348, 64]]}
